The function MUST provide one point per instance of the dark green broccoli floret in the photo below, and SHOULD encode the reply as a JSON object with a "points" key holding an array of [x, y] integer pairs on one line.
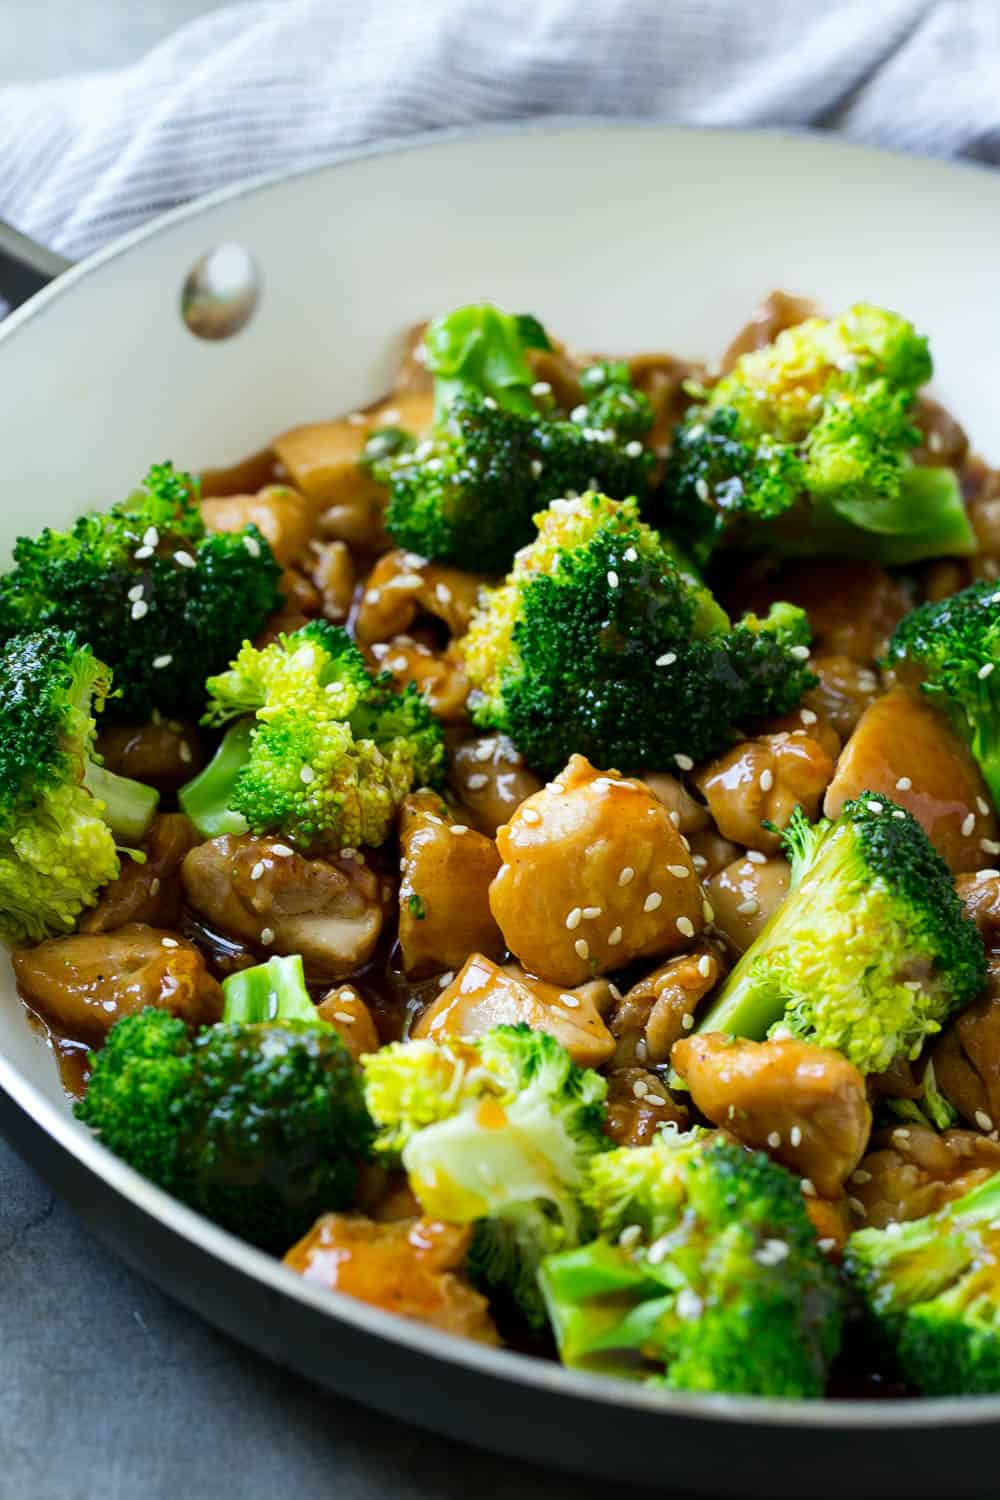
{"points": [[706, 1276], [497, 1133], [466, 494], [603, 641], [156, 597], [953, 645], [60, 810], [931, 1288], [804, 448], [258, 1122], [330, 752], [872, 950]]}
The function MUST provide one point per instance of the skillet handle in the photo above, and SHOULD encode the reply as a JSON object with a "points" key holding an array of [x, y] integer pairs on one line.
{"points": [[25, 266]]}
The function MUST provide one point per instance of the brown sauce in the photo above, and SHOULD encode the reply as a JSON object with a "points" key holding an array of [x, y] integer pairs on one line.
{"points": [[243, 478]]}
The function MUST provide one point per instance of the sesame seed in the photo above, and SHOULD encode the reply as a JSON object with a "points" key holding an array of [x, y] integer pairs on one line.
{"points": [[614, 937], [634, 448], [685, 926], [446, 979], [904, 784], [257, 870], [707, 909], [307, 775], [590, 912], [653, 901], [625, 874], [774, 1140], [655, 1099], [284, 852], [826, 1245], [807, 716], [701, 488], [267, 936], [772, 1253], [631, 555], [679, 872], [442, 593], [987, 874], [983, 806], [749, 907], [344, 1016], [579, 413], [531, 815], [989, 846], [766, 780], [629, 1236], [617, 995], [808, 1187], [640, 1088], [968, 824], [699, 861], [801, 653], [687, 1022], [570, 1000], [536, 468], [901, 1134], [459, 828], [795, 1136], [858, 1207], [704, 966], [667, 660], [252, 545], [541, 388], [688, 1305], [139, 609], [582, 948], [912, 984], [899, 814], [372, 596], [161, 661], [893, 1227], [983, 1120], [136, 593], [685, 762], [756, 858], [675, 818], [141, 553], [875, 807], [612, 579], [860, 1176], [985, 670], [154, 886], [573, 919], [151, 537], [184, 751], [169, 942]]}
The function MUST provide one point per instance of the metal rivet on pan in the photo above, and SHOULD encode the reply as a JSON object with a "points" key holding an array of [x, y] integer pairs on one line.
{"points": [[220, 292]]}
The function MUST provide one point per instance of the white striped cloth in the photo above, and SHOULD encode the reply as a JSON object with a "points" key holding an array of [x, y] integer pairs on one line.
{"points": [[284, 83]]}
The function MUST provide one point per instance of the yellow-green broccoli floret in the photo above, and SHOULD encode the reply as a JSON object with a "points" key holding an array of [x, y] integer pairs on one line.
{"points": [[706, 1275], [604, 641], [329, 752], [60, 810], [804, 447], [870, 953]]}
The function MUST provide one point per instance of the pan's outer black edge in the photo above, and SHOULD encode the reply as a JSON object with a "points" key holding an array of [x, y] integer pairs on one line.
{"points": [[682, 1453]]}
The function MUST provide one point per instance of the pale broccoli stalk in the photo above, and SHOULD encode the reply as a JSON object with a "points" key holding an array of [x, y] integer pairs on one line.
{"points": [[329, 754], [497, 1134]]}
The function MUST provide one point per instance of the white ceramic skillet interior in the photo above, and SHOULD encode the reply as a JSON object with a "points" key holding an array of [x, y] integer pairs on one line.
{"points": [[621, 237]]}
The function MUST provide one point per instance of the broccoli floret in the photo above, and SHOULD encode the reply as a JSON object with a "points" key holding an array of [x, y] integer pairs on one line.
{"points": [[604, 641], [258, 1122], [60, 810], [706, 1275], [804, 447], [870, 953], [467, 493], [330, 752], [158, 599], [931, 1289], [953, 645], [497, 1133]]}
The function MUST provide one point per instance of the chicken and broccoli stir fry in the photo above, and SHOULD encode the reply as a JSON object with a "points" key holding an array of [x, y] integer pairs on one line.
{"points": [[531, 858]]}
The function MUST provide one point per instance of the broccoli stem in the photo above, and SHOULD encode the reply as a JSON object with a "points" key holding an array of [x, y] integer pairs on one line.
{"points": [[206, 798], [937, 521], [128, 806], [275, 991]]}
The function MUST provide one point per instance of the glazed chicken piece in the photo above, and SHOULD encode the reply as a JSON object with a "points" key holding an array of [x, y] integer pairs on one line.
{"points": [[444, 900], [710, 852], [411, 1267], [944, 441], [344, 1010], [687, 814], [331, 568], [594, 875], [482, 995], [844, 691], [281, 515], [163, 753], [912, 1171], [661, 378], [86, 982], [745, 895], [980, 894], [402, 585], [261, 892], [833, 1221], [966, 1061], [764, 780], [489, 778], [321, 458], [149, 892], [442, 683], [638, 1106], [805, 1105], [905, 749], [658, 1010], [776, 313]]}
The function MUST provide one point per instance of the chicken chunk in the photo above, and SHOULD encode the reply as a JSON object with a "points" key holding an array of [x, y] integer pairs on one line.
{"points": [[776, 313], [692, 816], [980, 894], [86, 982], [745, 895], [402, 585], [263, 893], [594, 875], [764, 780], [489, 777], [149, 892], [411, 1267], [164, 753], [912, 1171], [904, 748], [803, 1104], [662, 378], [966, 1056], [944, 441], [344, 1010], [331, 568], [844, 691], [638, 1106], [853, 607], [321, 458], [281, 515], [658, 1010], [442, 683], [710, 852], [483, 995], [444, 896]]}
